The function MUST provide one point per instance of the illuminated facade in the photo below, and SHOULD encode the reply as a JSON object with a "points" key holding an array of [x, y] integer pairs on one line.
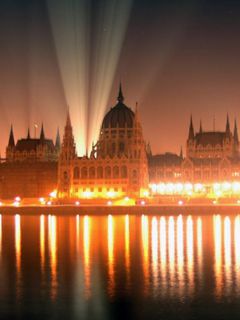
{"points": [[30, 167], [210, 156], [32, 149], [117, 165]]}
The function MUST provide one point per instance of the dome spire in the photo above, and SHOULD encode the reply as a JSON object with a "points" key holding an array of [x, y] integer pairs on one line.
{"points": [[120, 97]]}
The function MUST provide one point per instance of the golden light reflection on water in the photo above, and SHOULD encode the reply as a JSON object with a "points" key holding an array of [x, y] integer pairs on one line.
{"points": [[111, 255], [77, 232], [18, 242], [227, 253], [190, 269], [154, 253], [169, 256], [42, 241], [163, 253], [86, 254], [127, 247], [218, 253], [0, 235], [199, 245], [237, 252], [171, 251], [145, 250], [52, 246], [180, 253]]}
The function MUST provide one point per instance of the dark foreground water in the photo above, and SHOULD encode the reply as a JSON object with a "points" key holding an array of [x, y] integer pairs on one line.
{"points": [[120, 267]]}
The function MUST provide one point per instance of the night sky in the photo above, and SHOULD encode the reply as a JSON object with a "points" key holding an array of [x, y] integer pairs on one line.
{"points": [[177, 58]]}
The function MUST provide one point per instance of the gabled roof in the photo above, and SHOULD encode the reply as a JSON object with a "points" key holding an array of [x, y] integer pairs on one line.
{"points": [[32, 144], [164, 159], [212, 137]]}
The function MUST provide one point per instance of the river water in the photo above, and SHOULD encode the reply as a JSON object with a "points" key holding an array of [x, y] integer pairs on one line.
{"points": [[120, 267]]}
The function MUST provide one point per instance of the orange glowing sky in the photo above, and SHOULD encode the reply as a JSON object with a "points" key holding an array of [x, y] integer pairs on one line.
{"points": [[175, 60]]}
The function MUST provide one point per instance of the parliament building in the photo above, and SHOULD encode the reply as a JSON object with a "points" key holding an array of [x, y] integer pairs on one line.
{"points": [[117, 165], [120, 164]]}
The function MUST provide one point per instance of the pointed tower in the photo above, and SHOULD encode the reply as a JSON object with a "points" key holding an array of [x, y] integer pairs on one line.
{"points": [[120, 97], [67, 154], [191, 130], [58, 141], [200, 127], [11, 142], [68, 150], [28, 134], [42, 135], [235, 134], [235, 140], [10, 150], [227, 126], [181, 153], [190, 149]]}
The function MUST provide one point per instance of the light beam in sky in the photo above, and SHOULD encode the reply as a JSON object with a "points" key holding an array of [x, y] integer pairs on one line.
{"points": [[69, 20], [83, 62]]}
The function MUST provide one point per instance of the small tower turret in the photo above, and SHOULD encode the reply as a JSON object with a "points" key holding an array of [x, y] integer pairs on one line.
{"points": [[42, 135], [11, 141], [191, 130]]}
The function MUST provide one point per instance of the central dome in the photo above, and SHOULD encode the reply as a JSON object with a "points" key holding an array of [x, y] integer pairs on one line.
{"points": [[119, 116]]}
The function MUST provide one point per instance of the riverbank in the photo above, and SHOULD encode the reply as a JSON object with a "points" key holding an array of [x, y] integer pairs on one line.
{"points": [[170, 210]]}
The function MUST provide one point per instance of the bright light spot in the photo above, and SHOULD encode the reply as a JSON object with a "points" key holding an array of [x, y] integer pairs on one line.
{"points": [[87, 194], [49, 203], [1, 204], [126, 198], [109, 203], [111, 194], [214, 202], [143, 202], [180, 202], [17, 199], [53, 194], [42, 201], [77, 203], [16, 203]]}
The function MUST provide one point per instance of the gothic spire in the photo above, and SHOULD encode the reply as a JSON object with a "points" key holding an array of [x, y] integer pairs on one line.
{"points": [[227, 125], [68, 150], [42, 135], [58, 140], [120, 97], [28, 134], [181, 153], [191, 130], [68, 122], [200, 127], [235, 134], [11, 142]]}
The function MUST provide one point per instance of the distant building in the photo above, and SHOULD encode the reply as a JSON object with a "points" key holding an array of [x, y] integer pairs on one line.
{"points": [[32, 149], [210, 156], [30, 167], [117, 165]]}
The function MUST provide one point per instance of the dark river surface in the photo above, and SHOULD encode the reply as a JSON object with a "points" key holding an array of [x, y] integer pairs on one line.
{"points": [[120, 267]]}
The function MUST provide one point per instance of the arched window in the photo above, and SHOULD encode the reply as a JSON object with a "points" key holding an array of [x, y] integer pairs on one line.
{"points": [[134, 174], [92, 172], [65, 175], [84, 173], [99, 172], [76, 173], [115, 172], [123, 172], [121, 147], [113, 147], [107, 172]]}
